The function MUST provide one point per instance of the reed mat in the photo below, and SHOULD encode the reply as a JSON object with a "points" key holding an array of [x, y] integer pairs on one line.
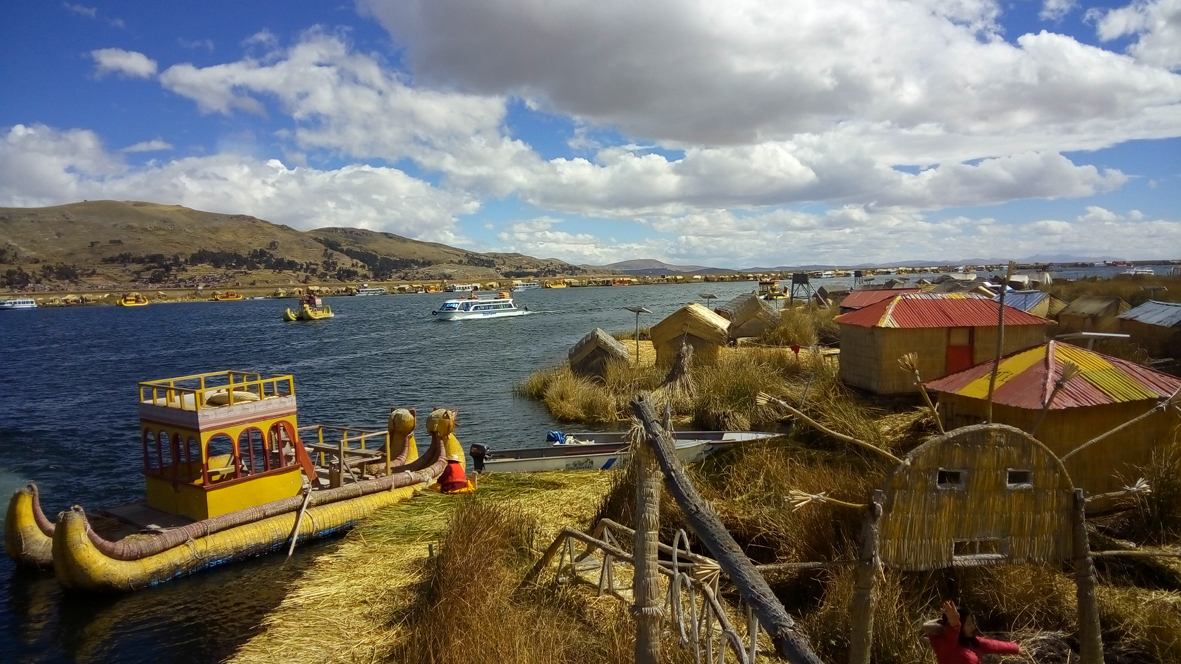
{"points": [[350, 604]]}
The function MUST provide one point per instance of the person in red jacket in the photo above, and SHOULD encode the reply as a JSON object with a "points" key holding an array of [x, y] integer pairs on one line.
{"points": [[453, 479], [955, 640]]}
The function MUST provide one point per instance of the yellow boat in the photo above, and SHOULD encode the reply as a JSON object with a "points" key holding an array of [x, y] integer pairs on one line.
{"points": [[772, 290], [227, 296], [132, 300], [229, 475], [310, 309], [554, 284]]}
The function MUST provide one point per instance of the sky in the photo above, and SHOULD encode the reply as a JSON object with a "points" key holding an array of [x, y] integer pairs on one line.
{"points": [[730, 134]]}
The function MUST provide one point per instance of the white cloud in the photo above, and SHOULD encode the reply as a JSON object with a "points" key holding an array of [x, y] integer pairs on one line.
{"points": [[695, 72], [153, 145], [263, 37], [1056, 10], [81, 10], [1155, 23], [206, 44], [41, 166], [128, 63]]}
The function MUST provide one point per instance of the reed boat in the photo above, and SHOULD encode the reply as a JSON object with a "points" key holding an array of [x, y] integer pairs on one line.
{"points": [[229, 474], [227, 296], [600, 451], [772, 290], [310, 308], [132, 300]]}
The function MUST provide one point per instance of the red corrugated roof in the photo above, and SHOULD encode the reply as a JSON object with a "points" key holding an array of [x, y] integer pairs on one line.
{"points": [[863, 298], [916, 310], [1026, 379]]}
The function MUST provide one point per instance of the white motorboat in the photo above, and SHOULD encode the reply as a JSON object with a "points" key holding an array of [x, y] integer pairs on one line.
{"points": [[1140, 271], [600, 451], [18, 303], [526, 285], [366, 289], [461, 288], [499, 307]]}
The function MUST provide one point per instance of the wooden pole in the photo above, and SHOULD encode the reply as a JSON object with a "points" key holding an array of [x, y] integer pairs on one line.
{"points": [[868, 564], [646, 587], [1089, 631], [1000, 340], [791, 643]]}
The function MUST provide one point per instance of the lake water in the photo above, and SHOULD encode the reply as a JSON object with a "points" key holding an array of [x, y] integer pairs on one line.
{"points": [[68, 421]]}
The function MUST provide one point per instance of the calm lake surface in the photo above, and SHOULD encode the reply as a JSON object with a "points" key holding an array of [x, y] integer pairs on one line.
{"points": [[68, 421]]}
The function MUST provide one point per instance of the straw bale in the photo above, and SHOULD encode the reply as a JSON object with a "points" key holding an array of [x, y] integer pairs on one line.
{"points": [[749, 316], [922, 521], [592, 353]]}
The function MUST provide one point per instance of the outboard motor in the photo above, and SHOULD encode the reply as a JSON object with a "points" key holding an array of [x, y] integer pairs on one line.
{"points": [[478, 453]]}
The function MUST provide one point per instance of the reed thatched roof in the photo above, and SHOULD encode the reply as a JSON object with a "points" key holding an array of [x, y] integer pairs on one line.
{"points": [[694, 320]]}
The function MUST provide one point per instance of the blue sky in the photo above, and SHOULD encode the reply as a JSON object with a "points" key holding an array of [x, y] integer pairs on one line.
{"points": [[727, 134]]}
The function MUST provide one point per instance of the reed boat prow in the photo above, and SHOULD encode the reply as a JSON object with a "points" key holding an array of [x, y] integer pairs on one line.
{"points": [[28, 534]]}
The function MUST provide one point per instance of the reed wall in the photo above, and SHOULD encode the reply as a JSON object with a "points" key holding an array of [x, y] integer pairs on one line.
{"points": [[1106, 466], [928, 525]]}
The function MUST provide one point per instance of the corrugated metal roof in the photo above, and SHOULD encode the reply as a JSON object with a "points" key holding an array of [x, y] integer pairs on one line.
{"points": [[1023, 300], [1165, 314], [1092, 305], [915, 310], [1025, 379], [863, 298]]}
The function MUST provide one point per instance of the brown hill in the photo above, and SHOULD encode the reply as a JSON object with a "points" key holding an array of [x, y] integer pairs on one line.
{"points": [[125, 242]]}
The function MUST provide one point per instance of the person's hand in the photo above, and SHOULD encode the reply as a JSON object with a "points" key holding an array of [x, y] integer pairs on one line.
{"points": [[951, 613]]}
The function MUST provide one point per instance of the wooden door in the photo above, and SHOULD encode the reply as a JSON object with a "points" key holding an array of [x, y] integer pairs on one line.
{"points": [[959, 349]]}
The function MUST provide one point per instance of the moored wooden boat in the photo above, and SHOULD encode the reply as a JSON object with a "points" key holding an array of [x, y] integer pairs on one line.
{"points": [[204, 509], [601, 451]]}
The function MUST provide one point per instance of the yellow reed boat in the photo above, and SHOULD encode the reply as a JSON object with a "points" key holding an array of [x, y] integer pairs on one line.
{"points": [[132, 300], [554, 284], [227, 296], [229, 474], [310, 308]]}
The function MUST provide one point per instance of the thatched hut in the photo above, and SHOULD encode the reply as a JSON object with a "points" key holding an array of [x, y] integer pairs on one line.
{"points": [[1038, 303], [1106, 393], [1093, 313], [977, 495], [749, 316], [591, 355], [701, 328], [950, 332]]}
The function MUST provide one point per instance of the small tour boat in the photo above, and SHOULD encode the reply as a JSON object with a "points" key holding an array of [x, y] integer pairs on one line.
{"points": [[771, 290], [132, 300], [311, 308], [366, 289], [600, 451], [1140, 271], [229, 474], [526, 285], [18, 303], [228, 296], [499, 307], [461, 288]]}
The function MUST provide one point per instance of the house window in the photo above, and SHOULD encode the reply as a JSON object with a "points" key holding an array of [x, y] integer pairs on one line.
{"points": [[977, 551], [1019, 479], [951, 479]]}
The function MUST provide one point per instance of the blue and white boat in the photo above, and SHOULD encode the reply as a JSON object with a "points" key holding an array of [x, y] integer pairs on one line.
{"points": [[600, 451], [18, 303], [526, 285], [499, 307]]}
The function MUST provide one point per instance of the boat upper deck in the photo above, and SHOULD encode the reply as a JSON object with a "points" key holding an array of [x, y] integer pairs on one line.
{"points": [[211, 399]]}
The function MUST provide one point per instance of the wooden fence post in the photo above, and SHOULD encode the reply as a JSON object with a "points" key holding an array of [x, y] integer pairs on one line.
{"points": [[646, 586], [791, 643], [1089, 632], [861, 613]]}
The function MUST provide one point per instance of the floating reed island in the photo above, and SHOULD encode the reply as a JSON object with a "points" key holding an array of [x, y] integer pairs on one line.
{"points": [[834, 542]]}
